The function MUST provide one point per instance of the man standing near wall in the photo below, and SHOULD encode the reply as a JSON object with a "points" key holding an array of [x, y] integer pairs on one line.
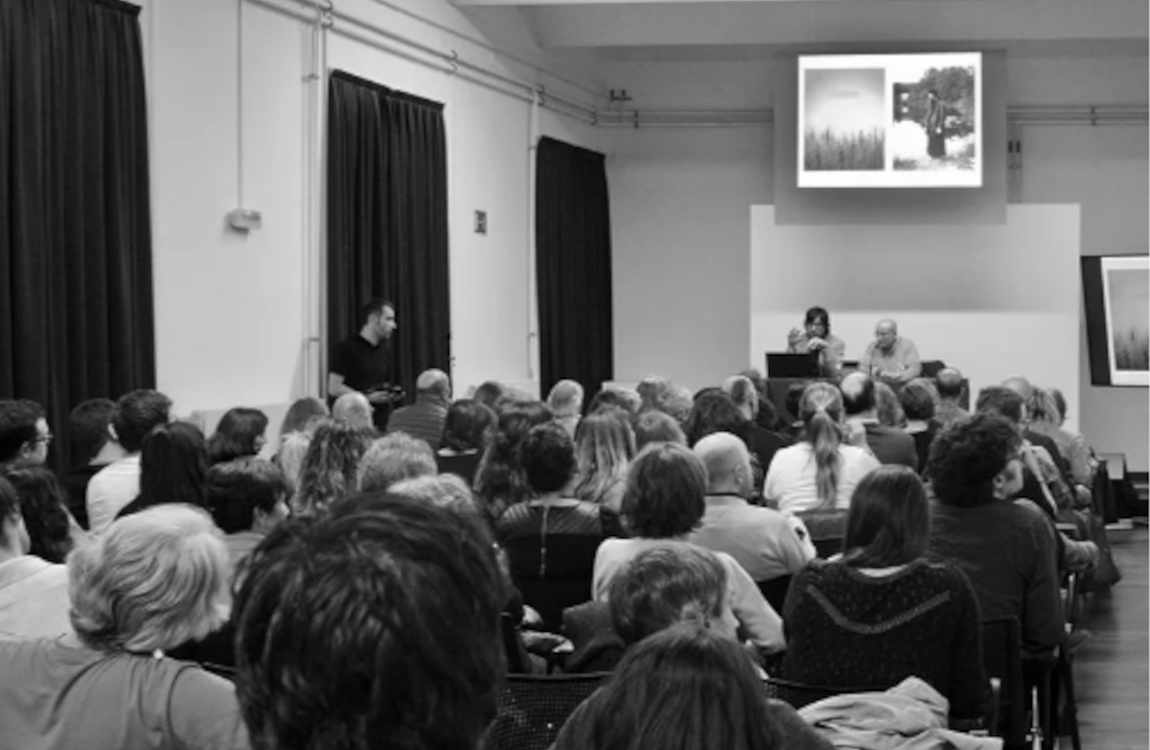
{"points": [[363, 362]]}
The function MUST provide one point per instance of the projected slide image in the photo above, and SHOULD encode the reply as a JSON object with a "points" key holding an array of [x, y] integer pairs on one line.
{"points": [[844, 118], [891, 120], [1127, 294]]}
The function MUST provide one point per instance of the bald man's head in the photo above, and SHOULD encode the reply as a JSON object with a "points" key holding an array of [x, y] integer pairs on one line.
{"points": [[1019, 385], [434, 383], [949, 383], [728, 463], [352, 409], [858, 393]]}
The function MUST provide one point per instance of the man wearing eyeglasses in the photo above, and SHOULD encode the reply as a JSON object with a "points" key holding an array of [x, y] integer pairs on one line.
{"points": [[24, 434]]}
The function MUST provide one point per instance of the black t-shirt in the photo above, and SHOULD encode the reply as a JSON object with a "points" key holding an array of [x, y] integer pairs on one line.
{"points": [[364, 366]]}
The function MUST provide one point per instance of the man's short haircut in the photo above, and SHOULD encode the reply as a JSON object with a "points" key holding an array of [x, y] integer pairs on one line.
{"points": [[154, 580], [714, 411], [434, 382], [547, 456], [948, 380], [374, 306], [18, 419], [664, 494], [353, 409], [488, 393], [997, 399], [392, 458], [655, 426], [447, 490], [398, 603], [858, 393], [917, 399], [620, 398], [566, 398], [88, 427], [722, 453], [967, 456], [137, 412], [651, 390], [468, 425], [666, 585], [234, 489]]}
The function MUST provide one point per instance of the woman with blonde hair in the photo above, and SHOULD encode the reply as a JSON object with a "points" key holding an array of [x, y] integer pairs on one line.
{"points": [[604, 447], [821, 470]]}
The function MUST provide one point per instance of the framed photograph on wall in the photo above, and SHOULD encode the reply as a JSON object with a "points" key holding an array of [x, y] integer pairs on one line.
{"points": [[1116, 291]]}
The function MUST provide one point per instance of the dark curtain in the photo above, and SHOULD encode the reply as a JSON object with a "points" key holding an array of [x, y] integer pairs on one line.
{"points": [[387, 218], [76, 314], [573, 265]]}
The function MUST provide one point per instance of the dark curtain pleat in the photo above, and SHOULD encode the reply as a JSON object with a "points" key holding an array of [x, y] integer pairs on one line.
{"points": [[573, 265], [76, 307], [387, 218]]}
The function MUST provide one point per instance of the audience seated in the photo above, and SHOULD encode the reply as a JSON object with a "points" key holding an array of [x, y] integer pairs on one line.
{"points": [[654, 426], [447, 490], [1024, 389], [821, 470], [652, 390], [24, 434], [565, 400], [766, 543], [1006, 549], [1046, 419], [424, 419], [91, 450], [239, 433], [551, 538], [762, 442], [615, 396], [51, 530], [499, 480], [330, 467], [33, 591], [354, 410], [173, 464], [917, 399], [247, 498], [685, 687], [889, 444], [663, 503], [768, 416], [398, 602], [676, 403], [467, 428], [489, 393], [118, 483], [950, 387], [299, 424], [887, 408], [882, 612], [154, 579], [393, 458], [604, 447]]}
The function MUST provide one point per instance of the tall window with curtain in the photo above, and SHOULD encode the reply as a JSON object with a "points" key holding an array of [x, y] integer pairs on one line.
{"points": [[387, 218], [573, 265], [76, 309]]}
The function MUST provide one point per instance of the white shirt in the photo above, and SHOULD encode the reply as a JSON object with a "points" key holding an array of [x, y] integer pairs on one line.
{"points": [[113, 487], [791, 477], [33, 599]]}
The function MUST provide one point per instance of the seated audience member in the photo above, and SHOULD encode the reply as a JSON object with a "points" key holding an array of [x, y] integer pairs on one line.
{"points": [[685, 687], [424, 419], [816, 336], [917, 399], [399, 602], [663, 503], [33, 592], [330, 467], [949, 383], [1025, 390], [466, 431], [887, 408], [240, 433], [768, 415], [882, 612], [677, 403], [488, 393], [247, 498], [890, 445], [50, 528], [393, 458], [765, 542], [354, 410], [890, 357], [447, 490], [24, 434], [794, 397], [109, 685], [654, 426], [499, 480], [614, 396], [92, 448], [118, 483], [1046, 419], [1007, 550], [552, 537], [820, 471], [604, 447], [565, 400], [715, 411], [762, 442], [299, 424], [652, 390], [173, 464]]}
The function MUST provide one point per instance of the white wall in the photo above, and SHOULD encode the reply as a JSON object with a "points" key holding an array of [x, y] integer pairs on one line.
{"points": [[234, 313], [681, 200]]}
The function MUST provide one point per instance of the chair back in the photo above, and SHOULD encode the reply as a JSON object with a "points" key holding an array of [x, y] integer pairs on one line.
{"points": [[775, 591], [827, 528], [1002, 659], [533, 708]]}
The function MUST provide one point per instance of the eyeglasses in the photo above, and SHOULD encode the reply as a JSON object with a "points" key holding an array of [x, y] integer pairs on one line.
{"points": [[45, 439]]}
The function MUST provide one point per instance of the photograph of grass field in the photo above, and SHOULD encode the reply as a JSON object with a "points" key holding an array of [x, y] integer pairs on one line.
{"points": [[843, 120], [831, 150], [1128, 303]]}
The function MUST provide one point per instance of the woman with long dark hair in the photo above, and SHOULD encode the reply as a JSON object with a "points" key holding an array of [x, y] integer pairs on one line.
{"points": [[240, 433], [173, 465]]}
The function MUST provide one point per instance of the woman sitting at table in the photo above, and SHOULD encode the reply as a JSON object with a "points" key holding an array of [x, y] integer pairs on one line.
{"points": [[816, 336]]}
